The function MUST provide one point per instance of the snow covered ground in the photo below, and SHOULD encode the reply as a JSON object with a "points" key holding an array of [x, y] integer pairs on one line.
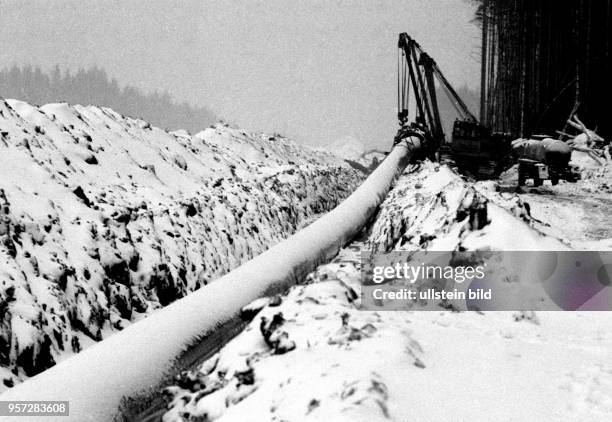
{"points": [[104, 219], [577, 213], [313, 355]]}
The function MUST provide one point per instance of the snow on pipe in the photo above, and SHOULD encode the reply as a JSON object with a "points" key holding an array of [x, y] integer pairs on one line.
{"points": [[138, 360]]}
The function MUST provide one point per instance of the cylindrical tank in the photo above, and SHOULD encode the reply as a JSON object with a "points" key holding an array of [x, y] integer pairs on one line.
{"points": [[551, 152]]}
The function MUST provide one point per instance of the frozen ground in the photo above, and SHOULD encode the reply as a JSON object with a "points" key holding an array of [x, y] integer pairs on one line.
{"points": [[104, 219], [578, 213], [312, 355]]}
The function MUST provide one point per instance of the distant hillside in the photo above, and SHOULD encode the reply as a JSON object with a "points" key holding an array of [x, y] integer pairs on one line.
{"points": [[94, 86]]}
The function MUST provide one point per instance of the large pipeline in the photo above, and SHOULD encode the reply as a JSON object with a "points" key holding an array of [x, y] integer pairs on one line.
{"points": [[137, 362]]}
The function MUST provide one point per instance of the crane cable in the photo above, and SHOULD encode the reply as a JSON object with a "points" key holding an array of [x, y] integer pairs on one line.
{"points": [[403, 88], [399, 99]]}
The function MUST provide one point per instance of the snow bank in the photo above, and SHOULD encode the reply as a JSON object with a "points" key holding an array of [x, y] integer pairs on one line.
{"points": [[137, 360], [349, 365], [316, 372], [312, 355], [433, 208], [104, 219]]}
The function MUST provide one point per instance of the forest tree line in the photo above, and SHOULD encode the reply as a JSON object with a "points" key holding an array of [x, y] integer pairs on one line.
{"points": [[94, 86], [544, 59]]}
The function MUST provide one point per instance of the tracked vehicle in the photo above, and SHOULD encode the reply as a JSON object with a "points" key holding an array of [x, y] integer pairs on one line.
{"points": [[473, 149]]}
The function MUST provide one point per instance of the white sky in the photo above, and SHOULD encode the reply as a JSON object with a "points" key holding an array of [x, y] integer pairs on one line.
{"points": [[315, 70]]}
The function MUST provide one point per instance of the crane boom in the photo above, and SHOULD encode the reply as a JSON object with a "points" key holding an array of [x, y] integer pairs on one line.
{"points": [[423, 70], [472, 145]]}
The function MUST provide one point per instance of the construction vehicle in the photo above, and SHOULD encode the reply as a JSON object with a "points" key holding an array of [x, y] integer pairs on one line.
{"points": [[473, 149], [543, 158]]}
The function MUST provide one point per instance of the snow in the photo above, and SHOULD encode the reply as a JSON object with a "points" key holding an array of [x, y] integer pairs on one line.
{"points": [[350, 365], [575, 213], [104, 219], [310, 353], [355, 153], [422, 213], [349, 148], [100, 378]]}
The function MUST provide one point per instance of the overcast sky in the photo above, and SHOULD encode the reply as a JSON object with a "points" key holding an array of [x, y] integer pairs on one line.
{"points": [[315, 70]]}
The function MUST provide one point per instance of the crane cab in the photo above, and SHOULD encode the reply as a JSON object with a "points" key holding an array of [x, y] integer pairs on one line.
{"points": [[477, 151], [468, 138]]}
